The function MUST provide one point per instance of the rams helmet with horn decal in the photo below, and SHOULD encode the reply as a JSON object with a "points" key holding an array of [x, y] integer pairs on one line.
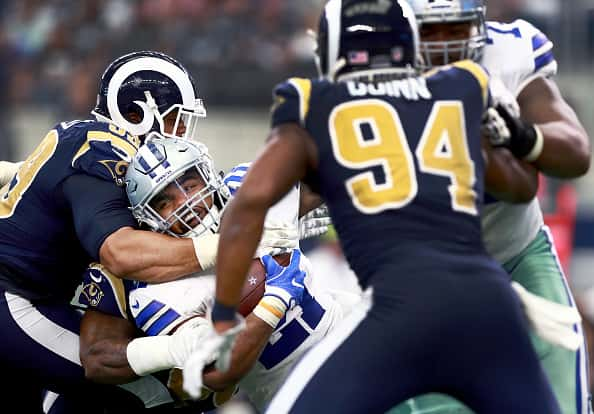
{"points": [[149, 91]]}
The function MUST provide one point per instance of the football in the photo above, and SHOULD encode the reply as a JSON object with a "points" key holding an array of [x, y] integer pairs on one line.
{"points": [[253, 289]]}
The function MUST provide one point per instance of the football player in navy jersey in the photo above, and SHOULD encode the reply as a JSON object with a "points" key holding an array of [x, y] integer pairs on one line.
{"points": [[398, 158], [554, 141], [173, 188], [65, 207]]}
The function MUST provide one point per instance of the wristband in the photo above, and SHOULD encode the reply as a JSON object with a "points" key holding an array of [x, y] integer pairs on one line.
{"points": [[537, 148], [271, 310], [205, 248], [149, 354], [222, 312]]}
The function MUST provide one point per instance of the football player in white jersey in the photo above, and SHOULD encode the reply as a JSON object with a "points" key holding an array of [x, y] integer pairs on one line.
{"points": [[167, 190], [554, 141]]}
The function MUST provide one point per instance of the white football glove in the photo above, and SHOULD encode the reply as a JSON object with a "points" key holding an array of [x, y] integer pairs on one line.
{"points": [[314, 223], [277, 238], [551, 321], [7, 171], [155, 353], [214, 346]]}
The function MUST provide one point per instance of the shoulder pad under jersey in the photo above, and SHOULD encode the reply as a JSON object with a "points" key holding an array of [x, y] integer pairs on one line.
{"points": [[517, 53], [102, 150]]}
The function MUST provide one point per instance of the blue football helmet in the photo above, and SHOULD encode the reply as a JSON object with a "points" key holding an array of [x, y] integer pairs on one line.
{"points": [[442, 52], [364, 38], [153, 86], [173, 187]]}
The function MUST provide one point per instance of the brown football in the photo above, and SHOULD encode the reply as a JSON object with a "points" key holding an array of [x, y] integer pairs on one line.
{"points": [[253, 289]]}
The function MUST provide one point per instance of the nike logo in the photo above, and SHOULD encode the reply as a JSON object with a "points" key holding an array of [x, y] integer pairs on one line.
{"points": [[135, 305], [294, 283]]}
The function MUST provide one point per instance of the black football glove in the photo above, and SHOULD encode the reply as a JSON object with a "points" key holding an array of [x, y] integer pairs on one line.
{"points": [[525, 138]]}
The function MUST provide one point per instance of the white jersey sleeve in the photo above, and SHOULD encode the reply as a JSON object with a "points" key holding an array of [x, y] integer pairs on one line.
{"points": [[158, 308], [517, 53]]}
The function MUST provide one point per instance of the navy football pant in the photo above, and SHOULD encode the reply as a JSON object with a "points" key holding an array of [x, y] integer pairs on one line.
{"points": [[462, 335], [40, 349]]}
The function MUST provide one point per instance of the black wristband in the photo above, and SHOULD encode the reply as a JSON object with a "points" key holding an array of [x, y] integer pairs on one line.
{"points": [[222, 312]]}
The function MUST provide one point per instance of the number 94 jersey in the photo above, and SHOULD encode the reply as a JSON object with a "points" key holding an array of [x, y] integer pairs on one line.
{"points": [[400, 161]]}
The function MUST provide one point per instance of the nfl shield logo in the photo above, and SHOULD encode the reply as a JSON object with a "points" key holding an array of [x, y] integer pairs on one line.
{"points": [[397, 54]]}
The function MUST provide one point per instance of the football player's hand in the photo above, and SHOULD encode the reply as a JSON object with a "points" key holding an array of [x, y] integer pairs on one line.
{"points": [[277, 238], [154, 353], [551, 321], [315, 223], [525, 139], [284, 283], [7, 171], [215, 346]]}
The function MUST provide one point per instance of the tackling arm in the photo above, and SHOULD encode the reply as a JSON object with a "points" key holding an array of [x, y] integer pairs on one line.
{"points": [[147, 256], [103, 342], [507, 178], [566, 151], [285, 160]]}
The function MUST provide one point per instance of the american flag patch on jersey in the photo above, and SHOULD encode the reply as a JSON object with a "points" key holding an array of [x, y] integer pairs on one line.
{"points": [[358, 57]]}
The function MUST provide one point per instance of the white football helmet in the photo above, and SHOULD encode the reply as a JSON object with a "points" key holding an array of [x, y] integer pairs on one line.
{"points": [[430, 12], [173, 187]]}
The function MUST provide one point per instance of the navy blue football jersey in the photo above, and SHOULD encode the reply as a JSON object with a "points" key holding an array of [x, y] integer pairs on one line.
{"points": [[65, 199], [400, 161]]}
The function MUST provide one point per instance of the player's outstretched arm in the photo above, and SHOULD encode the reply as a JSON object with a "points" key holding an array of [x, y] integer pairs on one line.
{"points": [[507, 178], [566, 149], [285, 160], [147, 256]]}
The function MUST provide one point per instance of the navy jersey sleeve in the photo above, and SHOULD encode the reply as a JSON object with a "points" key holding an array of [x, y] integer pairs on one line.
{"points": [[103, 292], [291, 102], [105, 151], [99, 208]]}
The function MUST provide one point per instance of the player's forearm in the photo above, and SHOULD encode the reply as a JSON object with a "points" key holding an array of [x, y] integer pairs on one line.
{"points": [[246, 352], [566, 150], [241, 230], [105, 362], [509, 179], [147, 256]]}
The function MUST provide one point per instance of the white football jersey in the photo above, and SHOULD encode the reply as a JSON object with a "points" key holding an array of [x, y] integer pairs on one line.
{"points": [[158, 308], [516, 53]]}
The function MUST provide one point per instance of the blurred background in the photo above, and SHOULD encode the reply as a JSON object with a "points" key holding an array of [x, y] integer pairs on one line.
{"points": [[52, 54]]}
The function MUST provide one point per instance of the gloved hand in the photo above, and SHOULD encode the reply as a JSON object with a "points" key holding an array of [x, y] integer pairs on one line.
{"points": [[314, 223], [214, 345], [503, 129], [155, 353], [551, 321], [283, 289], [7, 171], [277, 238]]}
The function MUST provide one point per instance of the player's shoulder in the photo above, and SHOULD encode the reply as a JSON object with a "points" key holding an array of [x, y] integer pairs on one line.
{"points": [[101, 290], [465, 72], [292, 99], [522, 46], [99, 148]]}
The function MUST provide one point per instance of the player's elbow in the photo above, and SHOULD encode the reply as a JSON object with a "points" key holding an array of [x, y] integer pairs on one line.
{"points": [[582, 155], [114, 254]]}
